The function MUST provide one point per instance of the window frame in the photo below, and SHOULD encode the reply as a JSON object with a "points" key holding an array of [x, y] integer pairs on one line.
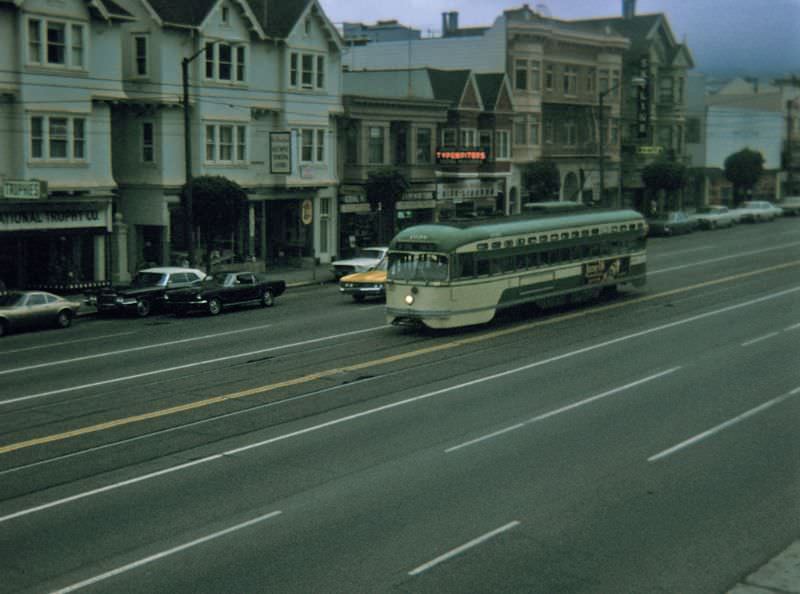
{"points": [[216, 133], [147, 146], [74, 139], [317, 147], [306, 71], [136, 58], [236, 65], [41, 45]]}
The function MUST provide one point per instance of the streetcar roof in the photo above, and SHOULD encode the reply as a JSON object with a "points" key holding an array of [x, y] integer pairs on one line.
{"points": [[449, 235]]}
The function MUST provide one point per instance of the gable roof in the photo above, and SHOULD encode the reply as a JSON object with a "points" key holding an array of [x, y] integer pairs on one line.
{"points": [[106, 9], [182, 12], [490, 85], [448, 85]]}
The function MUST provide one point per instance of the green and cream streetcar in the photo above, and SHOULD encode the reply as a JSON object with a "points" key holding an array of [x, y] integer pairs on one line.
{"points": [[460, 273]]}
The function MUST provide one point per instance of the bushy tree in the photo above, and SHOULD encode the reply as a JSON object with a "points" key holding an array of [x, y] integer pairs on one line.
{"points": [[217, 206], [384, 188], [541, 180], [665, 177], [743, 169]]}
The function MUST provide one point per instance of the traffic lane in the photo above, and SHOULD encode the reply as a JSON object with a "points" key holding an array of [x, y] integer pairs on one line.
{"points": [[551, 334], [322, 466], [118, 334]]}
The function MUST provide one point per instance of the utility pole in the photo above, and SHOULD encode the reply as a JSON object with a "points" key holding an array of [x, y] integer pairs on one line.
{"points": [[187, 148]]}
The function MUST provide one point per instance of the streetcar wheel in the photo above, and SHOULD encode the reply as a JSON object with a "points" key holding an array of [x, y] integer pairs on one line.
{"points": [[214, 306]]}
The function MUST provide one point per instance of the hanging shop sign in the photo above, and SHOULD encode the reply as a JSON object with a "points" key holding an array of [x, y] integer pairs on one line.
{"points": [[280, 153], [307, 212], [643, 100], [24, 189], [460, 156]]}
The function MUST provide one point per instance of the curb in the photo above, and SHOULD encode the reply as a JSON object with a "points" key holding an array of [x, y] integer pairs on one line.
{"points": [[780, 575]]}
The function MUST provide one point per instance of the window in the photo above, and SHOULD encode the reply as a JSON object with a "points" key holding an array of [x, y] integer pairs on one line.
{"points": [[520, 133], [226, 143], [58, 137], [449, 138], [148, 144], [351, 144], [312, 145], [536, 76], [293, 70], [521, 75], [615, 86], [56, 43], [534, 127], [549, 77], [140, 66], [570, 136], [665, 89], [324, 224], [485, 141], [320, 72], [376, 150], [602, 81], [590, 76], [423, 145], [502, 141], [467, 138], [570, 80], [226, 62], [306, 71], [549, 133], [225, 15]]}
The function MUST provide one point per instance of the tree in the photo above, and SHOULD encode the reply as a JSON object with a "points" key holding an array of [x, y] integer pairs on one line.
{"points": [[384, 188], [541, 180], [664, 178], [743, 169], [217, 205]]}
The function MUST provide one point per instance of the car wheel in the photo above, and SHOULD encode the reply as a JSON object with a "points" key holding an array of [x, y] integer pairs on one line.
{"points": [[358, 298], [142, 308], [214, 306], [64, 319], [267, 298]]}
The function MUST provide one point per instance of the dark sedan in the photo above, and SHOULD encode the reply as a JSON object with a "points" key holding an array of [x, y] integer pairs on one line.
{"points": [[671, 223], [147, 289], [225, 289], [31, 309]]}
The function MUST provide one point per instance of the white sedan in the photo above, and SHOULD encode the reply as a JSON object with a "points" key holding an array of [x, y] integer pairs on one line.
{"points": [[758, 210], [713, 217]]}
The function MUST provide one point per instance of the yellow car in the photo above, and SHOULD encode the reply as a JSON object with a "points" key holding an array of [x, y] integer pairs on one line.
{"points": [[361, 285]]}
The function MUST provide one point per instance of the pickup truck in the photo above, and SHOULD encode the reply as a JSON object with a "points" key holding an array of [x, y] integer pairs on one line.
{"points": [[224, 290]]}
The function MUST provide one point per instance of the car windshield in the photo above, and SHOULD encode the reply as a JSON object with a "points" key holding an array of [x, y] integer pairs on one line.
{"points": [[149, 279], [382, 265], [418, 267], [370, 254], [11, 300]]}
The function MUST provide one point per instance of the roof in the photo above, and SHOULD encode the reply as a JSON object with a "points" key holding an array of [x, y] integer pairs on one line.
{"points": [[276, 18], [448, 85], [449, 236], [490, 85], [104, 8]]}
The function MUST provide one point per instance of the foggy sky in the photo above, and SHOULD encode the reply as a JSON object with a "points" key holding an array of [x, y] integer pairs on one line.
{"points": [[726, 37]]}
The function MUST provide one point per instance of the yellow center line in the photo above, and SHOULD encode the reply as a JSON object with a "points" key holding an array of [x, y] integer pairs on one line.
{"points": [[312, 377]]}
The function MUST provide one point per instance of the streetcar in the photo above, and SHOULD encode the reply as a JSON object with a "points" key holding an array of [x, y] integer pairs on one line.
{"points": [[460, 273]]}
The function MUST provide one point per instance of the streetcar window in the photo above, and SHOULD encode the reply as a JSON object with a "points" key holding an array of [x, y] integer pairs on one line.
{"points": [[595, 231], [496, 245], [419, 267], [521, 241], [466, 266], [533, 260], [483, 266], [565, 236], [509, 243], [565, 255], [575, 234], [522, 261], [554, 237], [543, 239], [545, 257], [614, 228], [585, 233], [483, 246], [531, 240]]}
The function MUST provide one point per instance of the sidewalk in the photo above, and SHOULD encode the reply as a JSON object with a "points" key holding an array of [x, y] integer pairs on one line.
{"points": [[781, 575], [294, 277]]}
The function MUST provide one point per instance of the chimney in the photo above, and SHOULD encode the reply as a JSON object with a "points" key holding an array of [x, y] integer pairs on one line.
{"points": [[628, 9], [454, 21]]}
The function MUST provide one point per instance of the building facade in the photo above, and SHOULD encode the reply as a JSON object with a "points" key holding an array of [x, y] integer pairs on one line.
{"points": [[264, 91], [447, 132], [59, 76]]}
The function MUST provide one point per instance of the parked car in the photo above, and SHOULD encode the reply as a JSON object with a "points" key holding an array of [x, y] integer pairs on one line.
{"points": [[754, 211], [361, 285], [31, 309], [671, 223], [222, 290], [366, 259], [713, 217], [147, 290], [790, 205]]}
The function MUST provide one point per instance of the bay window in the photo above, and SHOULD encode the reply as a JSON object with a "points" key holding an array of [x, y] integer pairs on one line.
{"points": [[226, 62], [56, 43], [226, 144], [57, 137], [312, 145], [306, 71]]}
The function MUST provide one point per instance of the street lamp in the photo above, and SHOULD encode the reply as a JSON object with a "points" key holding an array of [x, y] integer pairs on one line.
{"points": [[187, 141], [638, 82]]}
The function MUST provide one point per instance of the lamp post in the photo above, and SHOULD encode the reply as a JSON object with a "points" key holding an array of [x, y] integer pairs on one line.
{"points": [[187, 145], [638, 82]]}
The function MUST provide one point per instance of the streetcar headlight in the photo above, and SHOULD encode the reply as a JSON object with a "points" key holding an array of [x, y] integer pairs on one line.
{"points": [[409, 300]]}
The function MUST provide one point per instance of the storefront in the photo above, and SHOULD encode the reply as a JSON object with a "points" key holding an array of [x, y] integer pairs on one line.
{"points": [[54, 242], [469, 198]]}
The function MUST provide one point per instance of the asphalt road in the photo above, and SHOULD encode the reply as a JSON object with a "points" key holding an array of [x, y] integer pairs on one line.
{"points": [[647, 443]]}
